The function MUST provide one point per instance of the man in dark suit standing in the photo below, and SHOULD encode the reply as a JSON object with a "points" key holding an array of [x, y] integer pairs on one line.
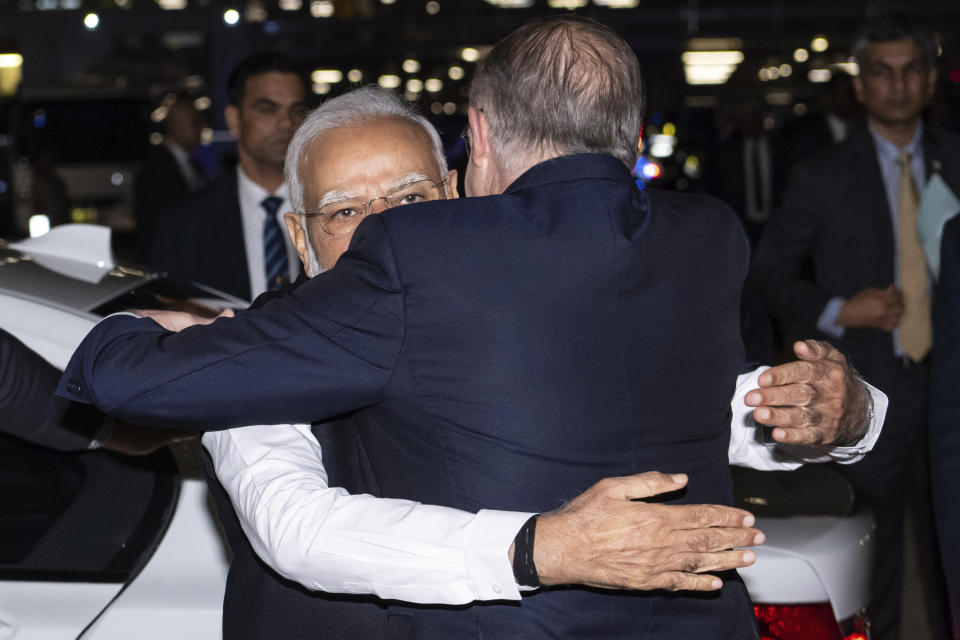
{"points": [[945, 414], [169, 172], [243, 209], [851, 211], [499, 351]]}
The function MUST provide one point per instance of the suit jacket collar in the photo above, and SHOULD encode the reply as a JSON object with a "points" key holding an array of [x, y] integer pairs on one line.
{"points": [[582, 166]]}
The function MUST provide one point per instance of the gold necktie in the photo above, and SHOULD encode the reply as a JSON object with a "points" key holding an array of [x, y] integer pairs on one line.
{"points": [[915, 330]]}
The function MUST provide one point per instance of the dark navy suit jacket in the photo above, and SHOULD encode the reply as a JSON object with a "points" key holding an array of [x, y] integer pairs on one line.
{"points": [[945, 410], [501, 352], [201, 239]]}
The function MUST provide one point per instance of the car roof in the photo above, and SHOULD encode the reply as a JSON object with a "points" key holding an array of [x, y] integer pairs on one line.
{"points": [[23, 276]]}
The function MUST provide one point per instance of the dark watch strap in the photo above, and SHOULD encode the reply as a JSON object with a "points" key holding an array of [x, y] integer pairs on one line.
{"points": [[524, 569]]}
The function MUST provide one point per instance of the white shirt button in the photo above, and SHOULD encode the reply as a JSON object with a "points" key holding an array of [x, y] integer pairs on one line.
{"points": [[497, 588]]}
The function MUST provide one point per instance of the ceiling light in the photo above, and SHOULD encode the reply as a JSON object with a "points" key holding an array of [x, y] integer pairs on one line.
{"points": [[432, 7], [455, 72], [91, 21], [569, 5], [819, 44], [321, 8], [701, 58], [819, 75], [801, 55], [321, 88], [411, 66], [617, 4], [433, 85], [389, 81], [172, 5], [291, 5], [10, 60], [355, 75], [850, 67], [231, 16], [329, 76], [414, 85]]}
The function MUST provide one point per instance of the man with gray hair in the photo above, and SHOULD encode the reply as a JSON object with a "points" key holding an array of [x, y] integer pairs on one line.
{"points": [[320, 537], [497, 352]]}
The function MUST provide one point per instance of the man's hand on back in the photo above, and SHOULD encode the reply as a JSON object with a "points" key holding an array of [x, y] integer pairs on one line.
{"points": [[816, 400], [608, 537]]}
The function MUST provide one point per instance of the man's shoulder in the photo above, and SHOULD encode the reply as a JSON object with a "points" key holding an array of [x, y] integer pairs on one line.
{"points": [[698, 209], [213, 199]]}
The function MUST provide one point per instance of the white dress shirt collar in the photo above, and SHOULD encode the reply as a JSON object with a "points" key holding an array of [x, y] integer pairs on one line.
{"points": [[251, 195]]}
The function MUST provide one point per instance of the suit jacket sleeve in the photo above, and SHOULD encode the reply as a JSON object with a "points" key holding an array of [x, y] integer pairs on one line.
{"points": [[327, 348], [786, 246], [28, 408]]}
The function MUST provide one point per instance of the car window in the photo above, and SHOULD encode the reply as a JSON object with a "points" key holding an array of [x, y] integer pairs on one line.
{"points": [[81, 517], [170, 294]]}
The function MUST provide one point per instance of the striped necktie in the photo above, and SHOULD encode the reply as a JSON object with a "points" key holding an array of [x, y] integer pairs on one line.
{"points": [[916, 333], [274, 248]]}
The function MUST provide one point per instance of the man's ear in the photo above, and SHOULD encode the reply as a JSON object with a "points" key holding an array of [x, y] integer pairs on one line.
{"points": [[479, 137], [931, 83], [232, 115], [299, 239], [452, 185], [857, 83]]}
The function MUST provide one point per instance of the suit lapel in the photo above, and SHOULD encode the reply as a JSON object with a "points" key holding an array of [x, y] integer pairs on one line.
{"points": [[867, 185]]}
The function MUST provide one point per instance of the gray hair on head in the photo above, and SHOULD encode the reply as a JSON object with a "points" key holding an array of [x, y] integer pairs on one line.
{"points": [[892, 28], [356, 108], [560, 86]]}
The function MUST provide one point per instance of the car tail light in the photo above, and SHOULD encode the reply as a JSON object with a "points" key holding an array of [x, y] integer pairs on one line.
{"points": [[797, 622], [809, 622]]}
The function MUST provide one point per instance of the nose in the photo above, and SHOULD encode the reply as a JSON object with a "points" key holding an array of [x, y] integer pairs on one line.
{"points": [[379, 205]]}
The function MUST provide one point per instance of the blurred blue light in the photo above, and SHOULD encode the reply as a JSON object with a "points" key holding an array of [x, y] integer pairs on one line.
{"points": [[3, 186], [39, 120]]}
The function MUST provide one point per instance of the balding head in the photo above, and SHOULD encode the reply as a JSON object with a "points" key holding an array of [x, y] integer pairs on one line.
{"points": [[557, 87]]}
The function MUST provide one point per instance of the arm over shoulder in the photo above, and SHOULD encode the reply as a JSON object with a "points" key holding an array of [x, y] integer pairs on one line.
{"points": [[327, 348]]}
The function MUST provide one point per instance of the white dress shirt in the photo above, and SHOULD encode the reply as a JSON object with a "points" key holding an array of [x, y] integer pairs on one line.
{"points": [[327, 539], [251, 215]]}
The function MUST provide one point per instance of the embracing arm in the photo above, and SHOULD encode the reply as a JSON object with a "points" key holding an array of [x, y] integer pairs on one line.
{"points": [[327, 348], [327, 539]]}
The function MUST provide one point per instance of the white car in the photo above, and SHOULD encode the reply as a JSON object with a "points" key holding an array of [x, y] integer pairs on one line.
{"points": [[106, 547]]}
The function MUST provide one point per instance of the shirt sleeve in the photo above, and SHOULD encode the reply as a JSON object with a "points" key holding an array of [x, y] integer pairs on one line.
{"points": [[749, 447], [827, 322], [326, 539]]}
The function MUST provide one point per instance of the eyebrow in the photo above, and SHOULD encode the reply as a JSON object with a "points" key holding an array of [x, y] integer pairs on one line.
{"points": [[338, 195]]}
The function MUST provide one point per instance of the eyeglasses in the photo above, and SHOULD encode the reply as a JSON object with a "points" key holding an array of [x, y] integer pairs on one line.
{"points": [[342, 217]]}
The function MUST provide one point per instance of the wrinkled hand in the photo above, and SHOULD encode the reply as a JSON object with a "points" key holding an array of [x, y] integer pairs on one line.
{"points": [[134, 440], [816, 400], [872, 309], [607, 538], [178, 320]]}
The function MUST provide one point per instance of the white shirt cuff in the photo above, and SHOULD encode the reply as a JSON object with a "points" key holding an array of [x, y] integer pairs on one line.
{"points": [[827, 322], [748, 447]]}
